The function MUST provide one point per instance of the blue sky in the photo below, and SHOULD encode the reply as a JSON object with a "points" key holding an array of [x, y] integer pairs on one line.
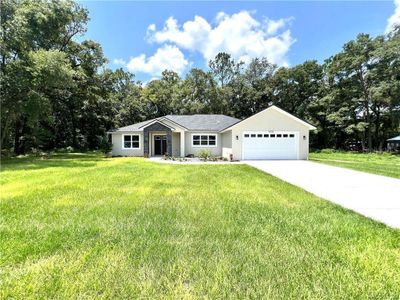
{"points": [[145, 37]]}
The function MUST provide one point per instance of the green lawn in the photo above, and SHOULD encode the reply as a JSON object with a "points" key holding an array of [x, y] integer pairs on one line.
{"points": [[381, 164], [81, 226]]}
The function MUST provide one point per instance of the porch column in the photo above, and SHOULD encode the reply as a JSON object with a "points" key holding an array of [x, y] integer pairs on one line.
{"points": [[182, 144], [146, 150], [169, 142]]}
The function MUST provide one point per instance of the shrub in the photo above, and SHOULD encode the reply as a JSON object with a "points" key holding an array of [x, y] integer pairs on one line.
{"points": [[204, 154], [105, 145]]}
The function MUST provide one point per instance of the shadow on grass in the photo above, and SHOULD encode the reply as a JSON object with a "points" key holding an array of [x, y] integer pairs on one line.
{"points": [[55, 160]]}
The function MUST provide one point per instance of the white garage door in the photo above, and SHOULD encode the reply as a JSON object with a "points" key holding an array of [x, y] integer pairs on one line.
{"points": [[270, 145]]}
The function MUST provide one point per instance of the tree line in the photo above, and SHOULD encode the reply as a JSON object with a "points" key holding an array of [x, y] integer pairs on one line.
{"points": [[57, 92]]}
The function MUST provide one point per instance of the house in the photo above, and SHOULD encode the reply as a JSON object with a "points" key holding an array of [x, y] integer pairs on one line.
{"points": [[269, 134], [393, 144]]}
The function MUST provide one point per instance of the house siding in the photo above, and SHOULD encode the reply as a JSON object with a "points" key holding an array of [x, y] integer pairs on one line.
{"points": [[117, 149], [269, 120], [176, 151], [189, 149], [226, 139]]}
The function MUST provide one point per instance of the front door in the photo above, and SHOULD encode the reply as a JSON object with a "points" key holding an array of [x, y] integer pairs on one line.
{"points": [[160, 144]]}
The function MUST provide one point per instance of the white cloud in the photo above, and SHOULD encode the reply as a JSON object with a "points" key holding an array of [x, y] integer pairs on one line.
{"points": [[395, 18], [193, 35], [274, 25], [238, 34], [119, 61], [167, 57]]}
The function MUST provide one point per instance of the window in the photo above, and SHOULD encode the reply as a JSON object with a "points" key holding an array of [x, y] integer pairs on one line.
{"points": [[272, 135], [130, 141], [266, 135], [212, 140], [279, 135], [196, 140], [246, 135], [259, 135], [285, 135], [206, 140], [253, 135], [291, 135]]}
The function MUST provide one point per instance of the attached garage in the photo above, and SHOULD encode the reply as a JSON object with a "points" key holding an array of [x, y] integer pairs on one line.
{"points": [[270, 134], [270, 145]]}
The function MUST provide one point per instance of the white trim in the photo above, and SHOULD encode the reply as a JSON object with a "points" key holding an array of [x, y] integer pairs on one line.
{"points": [[182, 143], [309, 126], [155, 121], [123, 144], [126, 132], [205, 146], [296, 136]]}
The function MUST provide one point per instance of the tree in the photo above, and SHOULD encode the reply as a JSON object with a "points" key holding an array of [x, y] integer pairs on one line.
{"points": [[199, 93], [34, 34], [124, 97], [222, 67], [293, 89], [160, 97], [57, 92], [363, 75], [251, 87]]}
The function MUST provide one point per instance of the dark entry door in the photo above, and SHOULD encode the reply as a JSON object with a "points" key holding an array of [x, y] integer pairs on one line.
{"points": [[160, 144]]}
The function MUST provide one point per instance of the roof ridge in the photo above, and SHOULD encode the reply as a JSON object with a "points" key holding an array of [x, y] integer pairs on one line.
{"points": [[186, 115], [213, 122]]}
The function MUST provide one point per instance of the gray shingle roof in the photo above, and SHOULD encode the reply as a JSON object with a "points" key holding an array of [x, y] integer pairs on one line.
{"points": [[133, 127], [396, 138], [190, 122], [203, 122]]}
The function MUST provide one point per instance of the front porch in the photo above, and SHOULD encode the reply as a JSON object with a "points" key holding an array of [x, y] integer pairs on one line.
{"points": [[160, 139]]}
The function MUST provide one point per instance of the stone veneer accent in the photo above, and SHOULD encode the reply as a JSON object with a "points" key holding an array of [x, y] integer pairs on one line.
{"points": [[156, 127]]}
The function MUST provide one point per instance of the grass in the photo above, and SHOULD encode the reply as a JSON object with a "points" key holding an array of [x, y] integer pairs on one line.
{"points": [[377, 163], [81, 226]]}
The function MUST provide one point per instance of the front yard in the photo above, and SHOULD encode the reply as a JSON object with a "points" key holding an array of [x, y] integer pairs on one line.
{"points": [[382, 164], [82, 226]]}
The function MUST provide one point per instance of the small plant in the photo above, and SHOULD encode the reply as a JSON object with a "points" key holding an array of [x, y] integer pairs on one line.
{"points": [[204, 154], [174, 158]]}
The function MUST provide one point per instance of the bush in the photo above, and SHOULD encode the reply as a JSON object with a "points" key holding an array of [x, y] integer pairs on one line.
{"points": [[105, 146], [204, 154]]}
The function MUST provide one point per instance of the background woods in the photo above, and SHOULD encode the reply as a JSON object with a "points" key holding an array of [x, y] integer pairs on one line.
{"points": [[56, 90]]}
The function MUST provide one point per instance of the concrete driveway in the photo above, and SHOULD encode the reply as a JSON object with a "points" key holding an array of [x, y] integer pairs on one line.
{"points": [[374, 196]]}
